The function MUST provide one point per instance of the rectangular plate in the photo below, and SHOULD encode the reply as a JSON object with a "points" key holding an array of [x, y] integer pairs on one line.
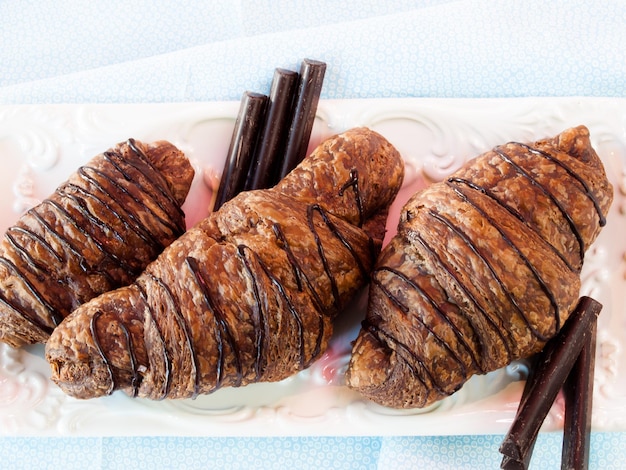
{"points": [[41, 145]]}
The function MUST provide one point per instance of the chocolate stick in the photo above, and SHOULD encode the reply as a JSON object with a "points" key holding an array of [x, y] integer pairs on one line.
{"points": [[242, 146], [507, 462], [578, 391], [559, 356], [511, 464], [309, 90], [264, 170]]}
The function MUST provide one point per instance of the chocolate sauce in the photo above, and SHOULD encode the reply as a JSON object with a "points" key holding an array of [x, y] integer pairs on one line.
{"points": [[184, 325], [298, 274], [60, 239], [55, 316], [136, 378], [177, 222], [311, 209], [241, 249], [162, 187], [36, 322], [283, 243], [353, 183], [224, 336], [573, 174], [465, 198], [455, 182], [167, 357], [440, 313], [301, 281], [511, 210], [32, 264], [452, 274], [492, 270], [52, 312], [223, 332], [24, 232], [90, 235], [520, 171], [378, 332], [261, 330], [129, 220], [96, 341], [156, 189]]}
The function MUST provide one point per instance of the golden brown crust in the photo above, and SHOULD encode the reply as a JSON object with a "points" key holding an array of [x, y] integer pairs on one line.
{"points": [[484, 269], [96, 232], [249, 293]]}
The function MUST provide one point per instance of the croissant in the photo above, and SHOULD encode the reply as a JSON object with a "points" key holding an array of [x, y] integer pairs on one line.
{"points": [[484, 269], [246, 295], [96, 232]]}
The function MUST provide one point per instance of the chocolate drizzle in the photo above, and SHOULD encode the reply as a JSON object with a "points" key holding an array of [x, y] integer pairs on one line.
{"points": [[507, 293], [22, 232], [353, 183], [167, 355], [96, 340], [515, 213], [311, 210], [55, 317], [223, 332], [83, 204], [457, 183], [465, 355], [451, 271], [241, 249], [124, 215], [573, 174], [520, 171], [158, 191], [229, 357], [261, 330], [88, 231], [549, 294], [406, 310], [153, 174], [35, 321], [400, 346]]}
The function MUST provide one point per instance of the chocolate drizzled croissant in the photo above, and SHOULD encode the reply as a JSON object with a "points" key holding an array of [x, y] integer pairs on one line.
{"points": [[249, 293], [96, 232], [484, 269]]}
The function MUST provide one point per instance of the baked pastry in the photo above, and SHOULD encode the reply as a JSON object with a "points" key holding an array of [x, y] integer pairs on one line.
{"points": [[249, 293], [484, 269], [96, 232]]}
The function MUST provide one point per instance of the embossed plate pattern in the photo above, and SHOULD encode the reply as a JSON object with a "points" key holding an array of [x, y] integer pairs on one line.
{"points": [[41, 145]]}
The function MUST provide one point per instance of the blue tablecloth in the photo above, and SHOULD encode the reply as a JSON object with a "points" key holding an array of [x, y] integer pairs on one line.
{"points": [[116, 52]]}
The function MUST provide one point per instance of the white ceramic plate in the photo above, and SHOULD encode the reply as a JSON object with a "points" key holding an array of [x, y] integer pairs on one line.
{"points": [[41, 145]]}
